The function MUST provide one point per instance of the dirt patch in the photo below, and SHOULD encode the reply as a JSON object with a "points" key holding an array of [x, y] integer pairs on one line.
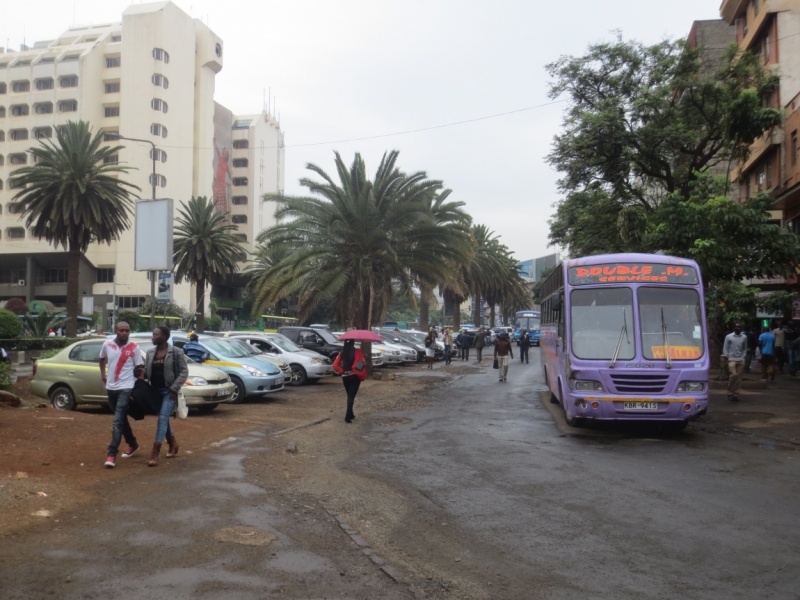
{"points": [[247, 536], [383, 421]]}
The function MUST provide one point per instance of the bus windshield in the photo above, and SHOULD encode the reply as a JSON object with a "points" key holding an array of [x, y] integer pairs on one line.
{"points": [[529, 323], [601, 319], [671, 318]]}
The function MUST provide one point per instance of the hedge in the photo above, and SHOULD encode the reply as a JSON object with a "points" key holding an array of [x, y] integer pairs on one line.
{"points": [[32, 343], [10, 324]]}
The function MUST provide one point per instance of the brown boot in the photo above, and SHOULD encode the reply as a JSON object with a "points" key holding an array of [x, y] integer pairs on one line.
{"points": [[154, 455], [173, 446]]}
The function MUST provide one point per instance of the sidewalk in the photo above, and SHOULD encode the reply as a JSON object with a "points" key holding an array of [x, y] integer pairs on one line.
{"points": [[772, 413]]}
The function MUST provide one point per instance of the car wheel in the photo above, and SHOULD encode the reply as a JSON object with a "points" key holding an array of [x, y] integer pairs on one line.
{"points": [[239, 392], [313, 380], [62, 398], [206, 408], [299, 376]]}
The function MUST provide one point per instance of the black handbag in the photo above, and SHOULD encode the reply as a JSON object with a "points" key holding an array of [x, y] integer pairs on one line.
{"points": [[495, 365]]}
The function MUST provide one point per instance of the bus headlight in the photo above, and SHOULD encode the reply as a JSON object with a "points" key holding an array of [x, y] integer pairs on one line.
{"points": [[692, 386], [588, 386]]}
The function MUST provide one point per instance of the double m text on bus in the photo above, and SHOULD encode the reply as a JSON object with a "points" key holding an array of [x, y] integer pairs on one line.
{"points": [[624, 337]]}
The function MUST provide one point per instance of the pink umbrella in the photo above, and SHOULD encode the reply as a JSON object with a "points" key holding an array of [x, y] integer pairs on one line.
{"points": [[360, 335]]}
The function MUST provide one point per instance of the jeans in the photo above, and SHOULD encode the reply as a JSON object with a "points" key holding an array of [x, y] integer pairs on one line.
{"points": [[479, 352], [163, 428], [448, 353], [351, 385], [523, 354], [779, 358], [502, 366], [118, 401], [736, 369]]}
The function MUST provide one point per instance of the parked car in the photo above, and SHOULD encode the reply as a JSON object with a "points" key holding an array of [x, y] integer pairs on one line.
{"points": [[72, 377], [408, 352], [409, 342], [251, 374], [419, 337], [306, 366], [318, 340]]}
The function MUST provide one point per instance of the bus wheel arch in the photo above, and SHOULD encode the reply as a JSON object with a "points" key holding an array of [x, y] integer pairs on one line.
{"points": [[571, 421]]}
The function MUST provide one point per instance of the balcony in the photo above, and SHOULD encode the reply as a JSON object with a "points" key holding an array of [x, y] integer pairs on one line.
{"points": [[732, 10], [759, 148]]}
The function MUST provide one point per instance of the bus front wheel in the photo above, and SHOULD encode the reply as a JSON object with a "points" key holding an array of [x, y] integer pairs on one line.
{"points": [[571, 421]]}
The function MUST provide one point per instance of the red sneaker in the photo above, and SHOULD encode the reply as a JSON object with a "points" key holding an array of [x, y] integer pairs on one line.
{"points": [[111, 462], [129, 452]]}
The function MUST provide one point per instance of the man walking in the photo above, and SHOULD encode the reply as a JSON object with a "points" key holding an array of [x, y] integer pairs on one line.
{"points": [[447, 339], [735, 350], [466, 344], [121, 357], [766, 342], [780, 340], [524, 346], [502, 350], [480, 343]]}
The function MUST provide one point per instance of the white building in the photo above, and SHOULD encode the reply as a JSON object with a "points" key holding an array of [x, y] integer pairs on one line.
{"points": [[150, 77]]}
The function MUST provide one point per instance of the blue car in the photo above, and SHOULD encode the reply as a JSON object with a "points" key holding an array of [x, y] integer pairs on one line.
{"points": [[251, 374]]}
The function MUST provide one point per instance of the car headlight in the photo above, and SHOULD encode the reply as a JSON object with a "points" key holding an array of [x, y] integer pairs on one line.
{"points": [[196, 381], [253, 371], [317, 361], [692, 386], [588, 386]]}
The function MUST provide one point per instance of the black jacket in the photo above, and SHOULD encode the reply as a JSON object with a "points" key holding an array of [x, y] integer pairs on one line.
{"points": [[525, 341], [144, 401]]}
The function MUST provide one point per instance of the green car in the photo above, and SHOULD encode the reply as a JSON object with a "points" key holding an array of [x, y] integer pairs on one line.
{"points": [[72, 377]]}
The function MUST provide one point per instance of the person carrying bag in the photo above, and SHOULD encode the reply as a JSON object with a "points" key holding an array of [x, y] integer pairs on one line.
{"points": [[350, 364]]}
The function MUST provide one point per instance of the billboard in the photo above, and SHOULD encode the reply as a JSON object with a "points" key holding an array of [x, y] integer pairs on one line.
{"points": [[221, 186], [165, 287], [153, 224]]}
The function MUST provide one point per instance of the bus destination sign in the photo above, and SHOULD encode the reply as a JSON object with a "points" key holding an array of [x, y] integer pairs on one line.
{"points": [[633, 273]]}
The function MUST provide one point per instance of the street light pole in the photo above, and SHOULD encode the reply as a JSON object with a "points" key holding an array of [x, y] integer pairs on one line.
{"points": [[153, 274]]}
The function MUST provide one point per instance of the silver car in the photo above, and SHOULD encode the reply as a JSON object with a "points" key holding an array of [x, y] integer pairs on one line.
{"points": [[306, 366]]}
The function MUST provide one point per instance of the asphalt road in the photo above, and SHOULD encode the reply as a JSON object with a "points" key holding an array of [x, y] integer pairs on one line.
{"points": [[624, 513], [479, 494]]}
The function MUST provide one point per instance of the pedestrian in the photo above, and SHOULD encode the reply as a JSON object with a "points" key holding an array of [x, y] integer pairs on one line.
{"points": [[480, 343], [524, 346], [791, 339], [447, 339], [4, 356], [780, 340], [350, 364], [734, 350], [430, 347], [466, 344], [752, 344], [167, 371], [194, 350], [766, 342], [121, 356], [502, 350]]}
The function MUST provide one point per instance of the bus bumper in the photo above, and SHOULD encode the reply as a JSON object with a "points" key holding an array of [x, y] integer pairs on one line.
{"points": [[654, 408]]}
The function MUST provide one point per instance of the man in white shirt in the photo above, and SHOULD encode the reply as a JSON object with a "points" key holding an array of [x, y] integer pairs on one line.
{"points": [[735, 351], [121, 356]]}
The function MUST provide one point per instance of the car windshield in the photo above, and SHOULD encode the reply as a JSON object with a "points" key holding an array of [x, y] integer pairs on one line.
{"points": [[673, 317], [326, 335], [284, 343], [228, 348], [602, 319]]}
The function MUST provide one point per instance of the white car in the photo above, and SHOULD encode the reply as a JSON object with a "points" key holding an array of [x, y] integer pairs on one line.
{"points": [[306, 366]]}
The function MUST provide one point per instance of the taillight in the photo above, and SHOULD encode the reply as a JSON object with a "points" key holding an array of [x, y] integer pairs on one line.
{"points": [[687, 407]]}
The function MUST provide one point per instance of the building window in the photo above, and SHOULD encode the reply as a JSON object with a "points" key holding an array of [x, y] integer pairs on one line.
{"points": [[130, 301], [160, 80], [242, 123], [241, 237], [14, 208], [111, 160], [15, 233], [218, 50], [71, 57], [41, 133], [157, 104], [105, 275], [2, 162], [768, 173], [761, 178], [116, 38], [2, 136], [160, 54], [15, 184], [18, 159], [793, 149], [111, 111], [158, 155], [239, 219], [112, 88], [46, 60], [21, 86], [18, 135], [160, 180], [158, 130], [43, 108], [113, 62], [239, 200], [240, 144], [20, 110], [240, 162], [69, 82], [240, 181], [3, 88], [12, 275], [45, 84], [68, 106], [2, 112], [54, 275]]}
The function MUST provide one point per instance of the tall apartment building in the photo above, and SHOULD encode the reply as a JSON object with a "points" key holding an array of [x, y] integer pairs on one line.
{"points": [[150, 77], [771, 29]]}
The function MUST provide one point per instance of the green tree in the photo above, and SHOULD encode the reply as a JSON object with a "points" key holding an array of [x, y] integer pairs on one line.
{"points": [[41, 325], [71, 198], [10, 325], [205, 246]]}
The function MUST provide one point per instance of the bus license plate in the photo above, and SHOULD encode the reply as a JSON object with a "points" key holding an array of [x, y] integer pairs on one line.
{"points": [[640, 405]]}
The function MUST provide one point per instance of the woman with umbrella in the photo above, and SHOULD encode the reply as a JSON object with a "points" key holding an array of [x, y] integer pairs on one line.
{"points": [[350, 364]]}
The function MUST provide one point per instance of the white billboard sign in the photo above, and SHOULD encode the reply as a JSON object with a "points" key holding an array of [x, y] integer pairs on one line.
{"points": [[154, 235]]}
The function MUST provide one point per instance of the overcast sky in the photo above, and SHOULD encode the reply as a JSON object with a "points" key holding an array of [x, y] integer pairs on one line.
{"points": [[344, 69]]}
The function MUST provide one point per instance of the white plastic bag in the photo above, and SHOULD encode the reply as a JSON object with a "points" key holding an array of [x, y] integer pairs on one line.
{"points": [[182, 411]]}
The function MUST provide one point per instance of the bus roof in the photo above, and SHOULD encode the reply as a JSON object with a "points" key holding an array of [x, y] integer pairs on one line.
{"points": [[632, 257]]}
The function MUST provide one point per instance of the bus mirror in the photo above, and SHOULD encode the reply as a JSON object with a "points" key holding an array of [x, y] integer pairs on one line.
{"points": [[555, 303]]}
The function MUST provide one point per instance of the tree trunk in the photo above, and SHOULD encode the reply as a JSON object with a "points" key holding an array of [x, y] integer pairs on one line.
{"points": [[73, 289], [366, 347], [200, 309], [476, 311], [456, 313], [424, 312], [491, 315]]}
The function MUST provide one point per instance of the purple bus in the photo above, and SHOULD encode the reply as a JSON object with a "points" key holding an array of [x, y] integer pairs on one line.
{"points": [[624, 338]]}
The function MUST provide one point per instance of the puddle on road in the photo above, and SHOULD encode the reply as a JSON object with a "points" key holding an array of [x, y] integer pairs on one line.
{"points": [[769, 446]]}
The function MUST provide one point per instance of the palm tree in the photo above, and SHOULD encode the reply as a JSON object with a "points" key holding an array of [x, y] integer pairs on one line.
{"points": [[71, 198], [43, 323], [204, 247]]}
